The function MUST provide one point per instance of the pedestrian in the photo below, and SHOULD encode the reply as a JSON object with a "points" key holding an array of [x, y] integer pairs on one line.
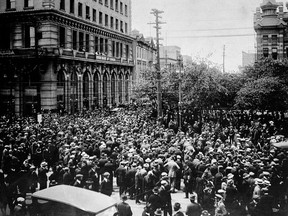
{"points": [[193, 208], [78, 181], [105, 186], [165, 195], [177, 207], [220, 209], [19, 209], [123, 207], [42, 175], [154, 201]]}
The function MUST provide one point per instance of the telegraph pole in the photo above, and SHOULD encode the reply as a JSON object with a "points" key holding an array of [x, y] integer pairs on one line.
{"points": [[156, 13], [180, 63]]}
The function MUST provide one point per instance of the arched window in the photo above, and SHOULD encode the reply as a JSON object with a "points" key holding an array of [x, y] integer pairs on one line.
{"points": [[105, 90], [86, 90], [113, 89], [74, 92], [126, 88], [96, 90], [61, 91], [120, 88]]}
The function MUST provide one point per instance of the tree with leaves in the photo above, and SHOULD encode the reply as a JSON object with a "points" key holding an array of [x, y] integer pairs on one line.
{"points": [[266, 86]]}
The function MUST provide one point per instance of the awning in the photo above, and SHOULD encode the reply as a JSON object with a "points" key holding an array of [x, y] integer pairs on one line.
{"points": [[83, 199]]}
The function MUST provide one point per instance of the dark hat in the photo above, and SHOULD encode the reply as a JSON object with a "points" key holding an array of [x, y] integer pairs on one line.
{"points": [[124, 197], [193, 197], [155, 190], [177, 206]]}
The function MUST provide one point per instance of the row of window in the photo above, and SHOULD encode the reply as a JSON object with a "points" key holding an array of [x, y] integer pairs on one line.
{"points": [[102, 19], [143, 53], [80, 7], [82, 41], [11, 4], [274, 53], [266, 40]]}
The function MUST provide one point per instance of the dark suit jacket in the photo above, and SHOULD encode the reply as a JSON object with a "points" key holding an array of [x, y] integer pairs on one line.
{"points": [[106, 187], [124, 209]]}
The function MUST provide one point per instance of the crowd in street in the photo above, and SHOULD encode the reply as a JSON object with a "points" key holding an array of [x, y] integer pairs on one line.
{"points": [[223, 161]]}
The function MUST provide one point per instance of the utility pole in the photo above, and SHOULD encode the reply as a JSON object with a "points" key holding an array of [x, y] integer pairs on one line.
{"points": [[156, 13], [224, 59], [180, 62]]}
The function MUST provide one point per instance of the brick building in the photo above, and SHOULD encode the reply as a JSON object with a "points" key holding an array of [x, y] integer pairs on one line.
{"points": [[66, 54], [270, 24]]}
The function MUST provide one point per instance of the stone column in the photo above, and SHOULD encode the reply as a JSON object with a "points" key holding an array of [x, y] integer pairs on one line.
{"points": [[67, 93], [91, 93], [48, 87]]}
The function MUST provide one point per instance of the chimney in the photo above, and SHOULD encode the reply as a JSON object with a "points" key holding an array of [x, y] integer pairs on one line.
{"points": [[280, 14]]}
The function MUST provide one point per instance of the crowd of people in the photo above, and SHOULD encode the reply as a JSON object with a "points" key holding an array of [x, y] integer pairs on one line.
{"points": [[223, 161]]}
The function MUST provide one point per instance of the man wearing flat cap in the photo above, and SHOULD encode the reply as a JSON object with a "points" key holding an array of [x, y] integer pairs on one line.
{"points": [[78, 181], [177, 207], [154, 201], [105, 186], [123, 207], [193, 208]]}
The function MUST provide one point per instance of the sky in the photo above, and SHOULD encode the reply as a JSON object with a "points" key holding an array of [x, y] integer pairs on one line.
{"points": [[201, 28]]}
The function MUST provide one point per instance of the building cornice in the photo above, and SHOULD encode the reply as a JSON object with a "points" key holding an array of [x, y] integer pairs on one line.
{"points": [[62, 18]]}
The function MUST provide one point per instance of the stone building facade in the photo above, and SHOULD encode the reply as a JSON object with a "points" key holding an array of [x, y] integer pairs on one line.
{"points": [[68, 55]]}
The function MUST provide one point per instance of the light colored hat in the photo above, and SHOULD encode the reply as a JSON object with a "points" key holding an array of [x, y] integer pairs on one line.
{"points": [[221, 191], [163, 182], [164, 174], [218, 196], [20, 199], [44, 164], [106, 174], [230, 176]]}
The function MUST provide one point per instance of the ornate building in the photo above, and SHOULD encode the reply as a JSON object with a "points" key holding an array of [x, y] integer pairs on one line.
{"points": [[66, 54], [270, 24], [145, 55]]}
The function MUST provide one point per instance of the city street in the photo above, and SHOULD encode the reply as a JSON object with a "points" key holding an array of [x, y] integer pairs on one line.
{"points": [[137, 209]]}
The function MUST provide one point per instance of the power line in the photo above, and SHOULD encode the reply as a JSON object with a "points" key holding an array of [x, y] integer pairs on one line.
{"points": [[211, 36], [219, 29]]}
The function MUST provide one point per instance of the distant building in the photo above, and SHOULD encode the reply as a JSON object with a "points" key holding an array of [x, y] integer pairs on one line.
{"points": [[169, 57], [187, 60], [66, 54], [145, 55], [270, 24], [248, 58]]}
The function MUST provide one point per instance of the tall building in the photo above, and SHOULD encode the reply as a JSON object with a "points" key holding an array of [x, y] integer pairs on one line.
{"points": [[270, 24], [145, 55], [68, 55], [169, 56]]}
